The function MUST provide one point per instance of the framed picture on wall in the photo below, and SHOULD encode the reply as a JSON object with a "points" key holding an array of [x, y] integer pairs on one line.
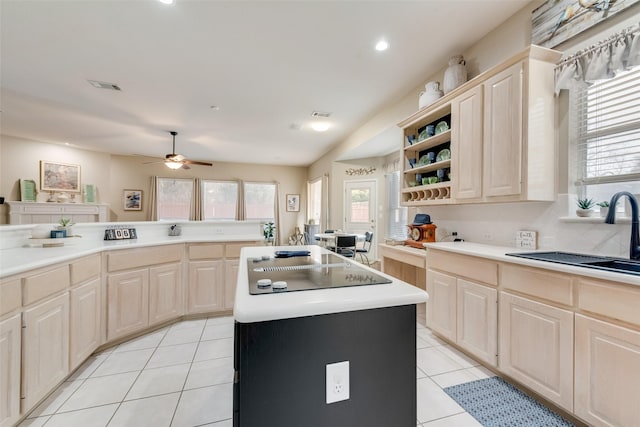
{"points": [[293, 203], [132, 200], [59, 177]]}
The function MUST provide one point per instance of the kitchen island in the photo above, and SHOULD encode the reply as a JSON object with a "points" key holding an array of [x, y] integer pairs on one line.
{"points": [[287, 343]]}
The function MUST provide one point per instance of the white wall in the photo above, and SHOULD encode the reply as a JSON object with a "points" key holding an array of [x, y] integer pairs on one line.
{"points": [[497, 224]]}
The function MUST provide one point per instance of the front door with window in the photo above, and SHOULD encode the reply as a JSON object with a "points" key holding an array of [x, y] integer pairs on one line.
{"points": [[360, 210]]}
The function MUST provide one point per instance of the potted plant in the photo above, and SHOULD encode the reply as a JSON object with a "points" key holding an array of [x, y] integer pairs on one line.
{"points": [[268, 230], [604, 208], [584, 207], [65, 224]]}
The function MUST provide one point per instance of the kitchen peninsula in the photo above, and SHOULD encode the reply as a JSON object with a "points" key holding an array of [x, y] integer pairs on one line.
{"points": [[287, 344]]}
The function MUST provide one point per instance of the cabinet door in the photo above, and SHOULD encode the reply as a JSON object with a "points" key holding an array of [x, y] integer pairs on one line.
{"points": [[85, 319], [45, 348], [10, 331], [165, 293], [536, 347], [466, 137], [607, 382], [206, 286], [441, 305], [503, 133], [128, 302], [477, 320], [230, 282]]}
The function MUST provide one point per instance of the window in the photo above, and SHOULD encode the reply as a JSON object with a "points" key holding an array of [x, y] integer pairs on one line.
{"points": [[219, 200], [397, 214], [259, 201], [314, 191], [174, 198], [608, 136]]}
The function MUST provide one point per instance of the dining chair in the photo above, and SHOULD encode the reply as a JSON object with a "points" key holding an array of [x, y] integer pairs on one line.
{"points": [[346, 245], [363, 252]]}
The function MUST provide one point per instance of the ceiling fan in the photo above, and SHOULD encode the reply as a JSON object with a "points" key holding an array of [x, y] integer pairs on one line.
{"points": [[177, 161]]}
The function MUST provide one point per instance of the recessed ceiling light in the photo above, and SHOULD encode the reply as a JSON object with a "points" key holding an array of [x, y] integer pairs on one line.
{"points": [[103, 85], [320, 126], [215, 108], [166, 1], [382, 45]]}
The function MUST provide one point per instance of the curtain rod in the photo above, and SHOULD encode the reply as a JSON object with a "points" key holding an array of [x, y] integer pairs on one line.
{"points": [[630, 31]]}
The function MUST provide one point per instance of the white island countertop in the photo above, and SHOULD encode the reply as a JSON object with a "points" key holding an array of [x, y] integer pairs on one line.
{"points": [[498, 253], [258, 308]]}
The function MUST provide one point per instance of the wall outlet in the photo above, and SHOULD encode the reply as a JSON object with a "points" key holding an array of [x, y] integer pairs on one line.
{"points": [[526, 239], [337, 381], [487, 236]]}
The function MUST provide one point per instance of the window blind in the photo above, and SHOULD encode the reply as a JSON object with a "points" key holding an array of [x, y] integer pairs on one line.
{"points": [[397, 214], [608, 130]]}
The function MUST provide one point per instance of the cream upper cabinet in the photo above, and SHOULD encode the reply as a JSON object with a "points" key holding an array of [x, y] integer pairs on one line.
{"points": [[477, 320], [503, 133], [536, 347], [441, 305], [10, 340], [45, 348], [165, 293], [502, 137], [466, 141], [85, 321], [607, 379], [128, 303]]}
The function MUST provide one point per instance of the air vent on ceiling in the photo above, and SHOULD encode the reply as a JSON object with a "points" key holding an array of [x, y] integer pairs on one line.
{"points": [[320, 114], [103, 85]]}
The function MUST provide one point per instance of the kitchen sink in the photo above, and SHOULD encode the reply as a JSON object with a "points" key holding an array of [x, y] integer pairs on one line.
{"points": [[618, 265]]}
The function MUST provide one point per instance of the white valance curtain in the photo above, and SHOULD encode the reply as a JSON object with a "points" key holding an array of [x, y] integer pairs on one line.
{"points": [[601, 61]]}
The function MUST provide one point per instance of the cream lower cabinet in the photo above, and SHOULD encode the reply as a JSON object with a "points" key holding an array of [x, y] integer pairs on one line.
{"points": [[165, 293], [536, 347], [463, 312], [128, 303], [10, 341], [441, 305], [206, 286], [607, 373], [85, 321], [231, 278], [45, 348]]}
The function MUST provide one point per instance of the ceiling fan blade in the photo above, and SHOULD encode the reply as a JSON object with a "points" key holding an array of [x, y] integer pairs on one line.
{"points": [[195, 162], [185, 166]]}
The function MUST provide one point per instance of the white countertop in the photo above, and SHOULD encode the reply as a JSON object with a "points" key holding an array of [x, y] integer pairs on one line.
{"points": [[257, 308], [17, 258], [498, 253]]}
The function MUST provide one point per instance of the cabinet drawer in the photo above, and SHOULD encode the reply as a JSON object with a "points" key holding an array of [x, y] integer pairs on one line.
{"points": [[46, 283], [124, 260], [206, 251], [10, 296], [85, 269], [232, 250], [478, 269], [609, 299], [537, 282]]}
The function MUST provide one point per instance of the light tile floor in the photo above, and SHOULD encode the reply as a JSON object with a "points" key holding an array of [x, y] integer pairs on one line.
{"points": [[182, 376]]}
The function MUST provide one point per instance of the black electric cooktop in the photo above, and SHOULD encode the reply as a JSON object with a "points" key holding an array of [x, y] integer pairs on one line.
{"points": [[302, 273]]}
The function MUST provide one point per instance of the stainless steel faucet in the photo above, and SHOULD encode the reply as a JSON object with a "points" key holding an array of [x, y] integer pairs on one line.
{"points": [[634, 246]]}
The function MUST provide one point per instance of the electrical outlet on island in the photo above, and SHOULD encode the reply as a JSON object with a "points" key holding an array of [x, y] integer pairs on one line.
{"points": [[337, 382]]}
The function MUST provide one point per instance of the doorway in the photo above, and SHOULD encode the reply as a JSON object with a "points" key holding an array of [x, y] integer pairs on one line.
{"points": [[360, 209]]}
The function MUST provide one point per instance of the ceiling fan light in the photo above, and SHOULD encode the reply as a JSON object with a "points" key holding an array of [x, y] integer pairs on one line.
{"points": [[173, 165]]}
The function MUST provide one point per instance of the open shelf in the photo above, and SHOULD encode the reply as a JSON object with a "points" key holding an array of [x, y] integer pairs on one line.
{"points": [[430, 142]]}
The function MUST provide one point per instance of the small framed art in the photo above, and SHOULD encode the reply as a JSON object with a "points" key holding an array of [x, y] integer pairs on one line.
{"points": [[293, 203], [132, 200]]}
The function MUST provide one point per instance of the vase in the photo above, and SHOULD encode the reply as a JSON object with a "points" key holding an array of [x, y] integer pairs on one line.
{"points": [[604, 210], [430, 94], [584, 212], [455, 74]]}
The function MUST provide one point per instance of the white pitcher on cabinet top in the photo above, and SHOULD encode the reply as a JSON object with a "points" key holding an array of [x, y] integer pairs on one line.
{"points": [[430, 94]]}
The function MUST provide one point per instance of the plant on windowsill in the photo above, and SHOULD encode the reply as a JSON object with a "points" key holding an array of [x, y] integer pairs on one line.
{"points": [[268, 231], [584, 207], [604, 208]]}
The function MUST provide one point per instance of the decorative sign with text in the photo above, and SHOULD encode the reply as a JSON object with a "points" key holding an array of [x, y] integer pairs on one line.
{"points": [[120, 233]]}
